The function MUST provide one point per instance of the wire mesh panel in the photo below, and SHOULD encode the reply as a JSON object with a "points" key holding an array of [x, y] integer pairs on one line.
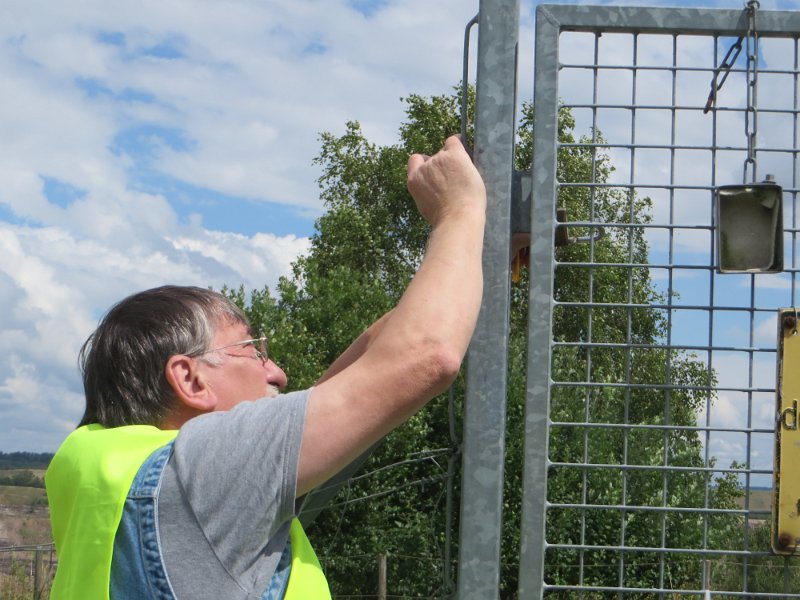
{"points": [[652, 375]]}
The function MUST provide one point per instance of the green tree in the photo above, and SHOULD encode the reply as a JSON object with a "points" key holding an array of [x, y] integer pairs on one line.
{"points": [[25, 460], [365, 249], [666, 393], [762, 573], [22, 478]]}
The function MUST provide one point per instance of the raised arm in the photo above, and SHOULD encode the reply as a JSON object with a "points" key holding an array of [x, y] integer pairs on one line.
{"points": [[356, 349], [414, 352]]}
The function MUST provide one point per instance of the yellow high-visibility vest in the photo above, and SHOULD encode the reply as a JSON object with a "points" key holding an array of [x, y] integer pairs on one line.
{"points": [[87, 484]]}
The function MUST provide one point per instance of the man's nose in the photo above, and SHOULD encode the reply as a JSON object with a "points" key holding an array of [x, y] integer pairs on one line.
{"points": [[275, 375]]}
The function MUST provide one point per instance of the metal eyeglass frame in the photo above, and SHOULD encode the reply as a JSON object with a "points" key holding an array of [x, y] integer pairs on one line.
{"points": [[262, 353]]}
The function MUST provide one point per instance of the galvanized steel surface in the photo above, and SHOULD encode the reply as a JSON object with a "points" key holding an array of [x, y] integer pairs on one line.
{"points": [[718, 318], [484, 419]]}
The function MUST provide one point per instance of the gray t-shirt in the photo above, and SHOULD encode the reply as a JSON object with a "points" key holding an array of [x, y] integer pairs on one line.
{"points": [[227, 498]]}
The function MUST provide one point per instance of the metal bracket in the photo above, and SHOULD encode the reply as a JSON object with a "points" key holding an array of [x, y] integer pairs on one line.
{"points": [[521, 207]]}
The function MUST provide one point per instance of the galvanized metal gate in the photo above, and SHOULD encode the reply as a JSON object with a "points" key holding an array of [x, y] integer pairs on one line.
{"points": [[651, 408]]}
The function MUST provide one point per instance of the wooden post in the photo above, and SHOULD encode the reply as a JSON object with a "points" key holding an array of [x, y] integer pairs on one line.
{"points": [[37, 573], [382, 576]]}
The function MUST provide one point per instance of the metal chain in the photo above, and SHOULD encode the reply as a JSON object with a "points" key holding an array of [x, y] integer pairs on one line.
{"points": [[724, 68], [751, 114]]}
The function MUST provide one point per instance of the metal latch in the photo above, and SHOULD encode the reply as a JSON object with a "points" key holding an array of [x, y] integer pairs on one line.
{"points": [[521, 206]]}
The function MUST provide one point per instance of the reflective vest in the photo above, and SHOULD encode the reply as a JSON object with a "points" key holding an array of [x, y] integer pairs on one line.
{"points": [[87, 484]]}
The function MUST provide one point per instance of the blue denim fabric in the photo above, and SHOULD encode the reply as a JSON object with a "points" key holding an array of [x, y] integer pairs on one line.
{"points": [[137, 567], [280, 579]]}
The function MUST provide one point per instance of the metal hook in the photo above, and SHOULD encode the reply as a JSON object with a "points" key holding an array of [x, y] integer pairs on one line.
{"points": [[465, 82]]}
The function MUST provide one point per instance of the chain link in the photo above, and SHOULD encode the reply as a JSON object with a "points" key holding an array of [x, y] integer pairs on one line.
{"points": [[724, 68], [751, 114]]}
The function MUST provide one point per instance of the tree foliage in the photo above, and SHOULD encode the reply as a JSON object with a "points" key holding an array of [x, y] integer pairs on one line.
{"points": [[367, 246], [25, 460], [21, 478]]}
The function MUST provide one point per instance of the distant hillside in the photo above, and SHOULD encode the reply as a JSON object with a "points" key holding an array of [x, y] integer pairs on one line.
{"points": [[25, 460], [760, 501]]}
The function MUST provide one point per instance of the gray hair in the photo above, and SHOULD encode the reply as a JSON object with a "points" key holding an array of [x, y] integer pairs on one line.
{"points": [[123, 362]]}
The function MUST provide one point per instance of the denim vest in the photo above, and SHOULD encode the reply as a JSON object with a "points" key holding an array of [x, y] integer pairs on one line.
{"points": [[137, 567]]}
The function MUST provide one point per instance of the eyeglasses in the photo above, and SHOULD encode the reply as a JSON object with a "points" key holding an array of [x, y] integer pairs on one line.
{"points": [[260, 344]]}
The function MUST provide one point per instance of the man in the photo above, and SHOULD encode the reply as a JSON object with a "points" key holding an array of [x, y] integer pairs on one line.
{"points": [[184, 477]]}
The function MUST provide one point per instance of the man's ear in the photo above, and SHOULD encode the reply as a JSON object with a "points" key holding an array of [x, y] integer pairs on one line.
{"points": [[189, 383]]}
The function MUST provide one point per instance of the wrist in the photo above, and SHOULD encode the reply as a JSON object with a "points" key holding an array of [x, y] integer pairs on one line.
{"points": [[459, 235], [468, 212]]}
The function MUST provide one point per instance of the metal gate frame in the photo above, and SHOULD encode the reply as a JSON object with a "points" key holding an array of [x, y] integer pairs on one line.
{"points": [[551, 22]]}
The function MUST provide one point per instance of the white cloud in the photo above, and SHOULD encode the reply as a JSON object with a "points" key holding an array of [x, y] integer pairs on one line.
{"points": [[117, 104], [53, 298], [726, 412]]}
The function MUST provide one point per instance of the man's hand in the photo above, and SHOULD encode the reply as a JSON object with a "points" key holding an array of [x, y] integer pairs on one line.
{"points": [[445, 183]]}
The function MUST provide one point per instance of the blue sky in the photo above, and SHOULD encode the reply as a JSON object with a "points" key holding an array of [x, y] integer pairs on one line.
{"points": [[172, 141]]}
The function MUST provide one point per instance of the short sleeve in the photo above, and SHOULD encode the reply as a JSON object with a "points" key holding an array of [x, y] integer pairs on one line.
{"points": [[228, 495]]}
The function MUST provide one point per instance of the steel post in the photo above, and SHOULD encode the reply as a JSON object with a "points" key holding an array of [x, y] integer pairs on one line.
{"points": [[485, 404]]}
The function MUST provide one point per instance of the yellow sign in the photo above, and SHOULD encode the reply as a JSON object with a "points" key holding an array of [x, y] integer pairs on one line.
{"points": [[786, 489]]}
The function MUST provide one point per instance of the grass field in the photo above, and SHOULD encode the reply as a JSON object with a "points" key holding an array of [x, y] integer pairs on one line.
{"points": [[21, 496], [24, 516]]}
